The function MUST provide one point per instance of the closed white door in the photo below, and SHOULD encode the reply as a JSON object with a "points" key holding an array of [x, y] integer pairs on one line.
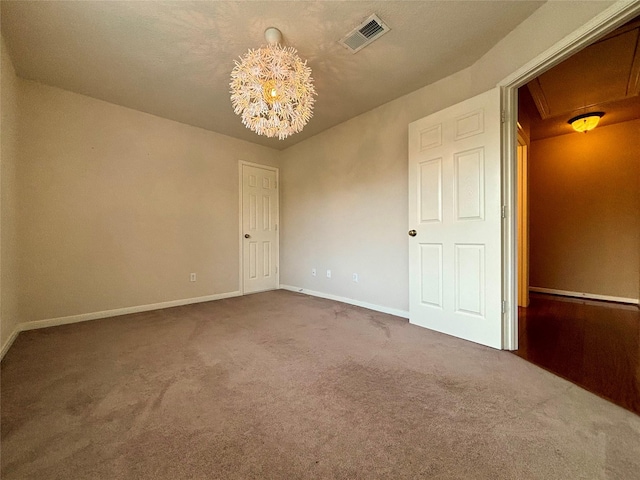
{"points": [[259, 228], [455, 221]]}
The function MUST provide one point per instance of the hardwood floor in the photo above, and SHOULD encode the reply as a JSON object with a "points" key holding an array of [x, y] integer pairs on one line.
{"points": [[593, 344]]}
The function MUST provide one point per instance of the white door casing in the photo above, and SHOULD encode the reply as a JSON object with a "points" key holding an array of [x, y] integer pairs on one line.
{"points": [[455, 283], [523, 219], [259, 227]]}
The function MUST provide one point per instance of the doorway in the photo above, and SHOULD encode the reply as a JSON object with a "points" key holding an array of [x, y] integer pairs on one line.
{"points": [[259, 236], [615, 16], [585, 225]]}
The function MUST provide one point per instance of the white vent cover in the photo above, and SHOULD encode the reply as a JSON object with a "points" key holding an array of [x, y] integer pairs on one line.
{"points": [[365, 33]]}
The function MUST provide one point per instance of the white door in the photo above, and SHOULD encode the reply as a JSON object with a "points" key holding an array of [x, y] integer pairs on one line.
{"points": [[259, 228], [455, 219]]}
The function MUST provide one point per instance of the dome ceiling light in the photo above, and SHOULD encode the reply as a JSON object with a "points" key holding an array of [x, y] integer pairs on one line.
{"points": [[586, 122]]}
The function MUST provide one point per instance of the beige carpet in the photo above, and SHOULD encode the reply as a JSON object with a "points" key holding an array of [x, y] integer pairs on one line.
{"points": [[279, 385]]}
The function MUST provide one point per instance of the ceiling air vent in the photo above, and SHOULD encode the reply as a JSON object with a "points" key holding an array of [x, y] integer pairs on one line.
{"points": [[365, 33]]}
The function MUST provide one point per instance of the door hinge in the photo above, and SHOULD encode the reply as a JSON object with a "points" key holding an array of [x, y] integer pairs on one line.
{"points": [[504, 211], [504, 306], [503, 116], [276, 269]]}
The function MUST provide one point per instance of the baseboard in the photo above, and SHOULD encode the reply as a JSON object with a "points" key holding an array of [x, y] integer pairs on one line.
{"points": [[357, 303], [10, 340], [590, 296], [52, 322]]}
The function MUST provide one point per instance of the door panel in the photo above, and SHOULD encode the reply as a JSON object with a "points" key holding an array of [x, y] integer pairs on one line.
{"points": [[431, 266], [259, 223], [469, 184], [470, 278], [455, 209], [430, 191]]}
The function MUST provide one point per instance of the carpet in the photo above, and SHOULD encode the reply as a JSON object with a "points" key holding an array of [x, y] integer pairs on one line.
{"points": [[280, 385]]}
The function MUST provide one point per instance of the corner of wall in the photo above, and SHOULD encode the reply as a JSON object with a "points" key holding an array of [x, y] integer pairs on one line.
{"points": [[8, 199]]}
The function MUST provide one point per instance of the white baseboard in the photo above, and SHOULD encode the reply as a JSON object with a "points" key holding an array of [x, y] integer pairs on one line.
{"points": [[52, 322], [590, 296], [357, 303], [10, 340]]}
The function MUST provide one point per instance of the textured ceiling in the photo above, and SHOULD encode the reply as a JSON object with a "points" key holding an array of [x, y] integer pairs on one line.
{"points": [[173, 59]]}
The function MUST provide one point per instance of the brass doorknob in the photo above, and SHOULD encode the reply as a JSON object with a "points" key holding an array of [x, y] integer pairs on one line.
{"points": [[412, 233], [246, 235]]}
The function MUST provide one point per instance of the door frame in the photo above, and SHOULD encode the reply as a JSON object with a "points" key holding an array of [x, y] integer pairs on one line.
{"points": [[241, 163], [611, 18], [523, 221]]}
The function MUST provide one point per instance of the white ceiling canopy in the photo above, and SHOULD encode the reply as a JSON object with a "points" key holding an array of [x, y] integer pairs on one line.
{"points": [[173, 59]]}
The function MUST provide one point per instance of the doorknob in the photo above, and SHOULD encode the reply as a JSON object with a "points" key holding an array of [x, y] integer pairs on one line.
{"points": [[246, 235], [412, 233]]}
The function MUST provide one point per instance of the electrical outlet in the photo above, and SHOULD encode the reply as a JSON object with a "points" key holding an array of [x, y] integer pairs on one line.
{"points": [[192, 277], [313, 272], [328, 273], [355, 277]]}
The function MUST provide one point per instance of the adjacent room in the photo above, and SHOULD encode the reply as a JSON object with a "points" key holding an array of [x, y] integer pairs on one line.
{"points": [[581, 218], [273, 239]]}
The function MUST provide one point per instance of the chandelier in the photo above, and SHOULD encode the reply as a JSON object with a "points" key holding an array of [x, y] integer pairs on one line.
{"points": [[272, 89]]}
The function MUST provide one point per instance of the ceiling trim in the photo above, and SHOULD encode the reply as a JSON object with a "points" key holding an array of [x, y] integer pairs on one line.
{"points": [[634, 77], [600, 25], [539, 98], [613, 59]]}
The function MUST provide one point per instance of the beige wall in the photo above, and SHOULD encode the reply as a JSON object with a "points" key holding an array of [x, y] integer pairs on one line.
{"points": [[118, 207], [8, 200], [584, 207], [344, 196]]}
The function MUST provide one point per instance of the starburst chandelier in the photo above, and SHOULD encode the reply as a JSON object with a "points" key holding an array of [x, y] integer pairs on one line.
{"points": [[272, 89]]}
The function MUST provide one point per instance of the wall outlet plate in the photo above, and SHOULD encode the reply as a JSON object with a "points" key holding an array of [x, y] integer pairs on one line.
{"points": [[328, 273]]}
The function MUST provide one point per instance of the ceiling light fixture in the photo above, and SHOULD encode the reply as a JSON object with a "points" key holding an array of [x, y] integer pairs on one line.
{"points": [[586, 121], [272, 89]]}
